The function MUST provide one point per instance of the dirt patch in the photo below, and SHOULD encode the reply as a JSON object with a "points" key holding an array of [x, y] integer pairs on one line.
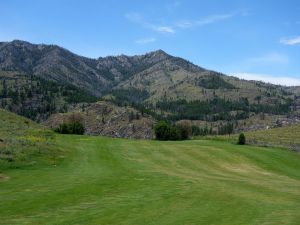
{"points": [[3, 177]]}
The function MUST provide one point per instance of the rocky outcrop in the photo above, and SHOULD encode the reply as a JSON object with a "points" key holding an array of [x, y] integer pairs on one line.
{"points": [[106, 119]]}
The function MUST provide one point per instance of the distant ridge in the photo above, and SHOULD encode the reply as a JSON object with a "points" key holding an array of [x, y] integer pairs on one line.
{"points": [[163, 85]]}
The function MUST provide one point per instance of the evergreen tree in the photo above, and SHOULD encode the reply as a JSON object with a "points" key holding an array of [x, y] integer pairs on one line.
{"points": [[242, 139]]}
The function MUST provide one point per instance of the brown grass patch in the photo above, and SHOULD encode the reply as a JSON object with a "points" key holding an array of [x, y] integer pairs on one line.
{"points": [[3, 177]]}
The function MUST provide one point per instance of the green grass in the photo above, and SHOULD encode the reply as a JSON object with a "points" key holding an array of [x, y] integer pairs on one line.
{"points": [[118, 181], [25, 143], [287, 137]]}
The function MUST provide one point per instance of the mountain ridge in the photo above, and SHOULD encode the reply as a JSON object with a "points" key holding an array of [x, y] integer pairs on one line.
{"points": [[153, 57], [166, 86]]}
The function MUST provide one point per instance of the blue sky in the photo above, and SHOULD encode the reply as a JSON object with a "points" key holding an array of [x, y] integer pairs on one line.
{"points": [[258, 39]]}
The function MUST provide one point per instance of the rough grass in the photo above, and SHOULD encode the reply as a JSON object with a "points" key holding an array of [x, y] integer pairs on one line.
{"points": [[117, 181], [287, 137], [282, 136], [25, 143]]}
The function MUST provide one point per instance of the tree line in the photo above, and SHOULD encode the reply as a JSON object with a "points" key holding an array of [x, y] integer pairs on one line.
{"points": [[37, 98], [184, 130], [218, 109]]}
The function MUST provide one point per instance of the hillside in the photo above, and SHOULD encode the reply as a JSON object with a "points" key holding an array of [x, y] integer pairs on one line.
{"points": [[38, 98], [51, 62], [105, 181], [40, 80], [156, 72], [286, 136], [25, 143], [106, 119]]}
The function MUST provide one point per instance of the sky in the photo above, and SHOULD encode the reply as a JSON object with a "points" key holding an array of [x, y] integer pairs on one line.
{"points": [[258, 39]]}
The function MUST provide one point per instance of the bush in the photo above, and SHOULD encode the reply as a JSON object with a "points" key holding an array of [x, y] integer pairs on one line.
{"points": [[162, 130], [242, 139], [185, 129], [165, 131], [70, 128], [196, 130], [175, 133]]}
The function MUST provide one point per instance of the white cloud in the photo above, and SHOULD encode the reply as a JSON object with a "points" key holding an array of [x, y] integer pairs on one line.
{"points": [[183, 24], [270, 58], [279, 80], [213, 19], [204, 21], [164, 29], [145, 41], [138, 19], [290, 41]]}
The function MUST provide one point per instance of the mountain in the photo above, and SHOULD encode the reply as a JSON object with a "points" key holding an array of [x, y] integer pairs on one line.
{"points": [[53, 63], [38, 80], [58, 64], [150, 71], [37, 98]]}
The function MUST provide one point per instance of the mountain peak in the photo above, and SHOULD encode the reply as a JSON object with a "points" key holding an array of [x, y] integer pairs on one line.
{"points": [[156, 56], [159, 52], [17, 42]]}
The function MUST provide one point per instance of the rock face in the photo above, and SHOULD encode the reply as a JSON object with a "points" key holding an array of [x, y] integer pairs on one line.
{"points": [[106, 119]]}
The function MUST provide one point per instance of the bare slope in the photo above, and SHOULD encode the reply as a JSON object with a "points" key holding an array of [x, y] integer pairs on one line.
{"points": [[107, 119]]}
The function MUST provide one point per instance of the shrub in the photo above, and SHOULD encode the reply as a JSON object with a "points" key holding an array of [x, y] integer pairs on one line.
{"points": [[62, 129], [175, 133], [162, 130], [77, 128], [185, 129], [196, 130], [165, 131], [242, 139], [70, 128]]}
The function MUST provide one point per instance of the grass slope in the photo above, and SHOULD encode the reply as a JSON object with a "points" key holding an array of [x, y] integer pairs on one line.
{"points": [[25, 143], [287, 137], [117, 181]]}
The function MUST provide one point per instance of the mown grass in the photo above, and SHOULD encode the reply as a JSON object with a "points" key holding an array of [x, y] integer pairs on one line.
{"points": [[118, 181]]}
